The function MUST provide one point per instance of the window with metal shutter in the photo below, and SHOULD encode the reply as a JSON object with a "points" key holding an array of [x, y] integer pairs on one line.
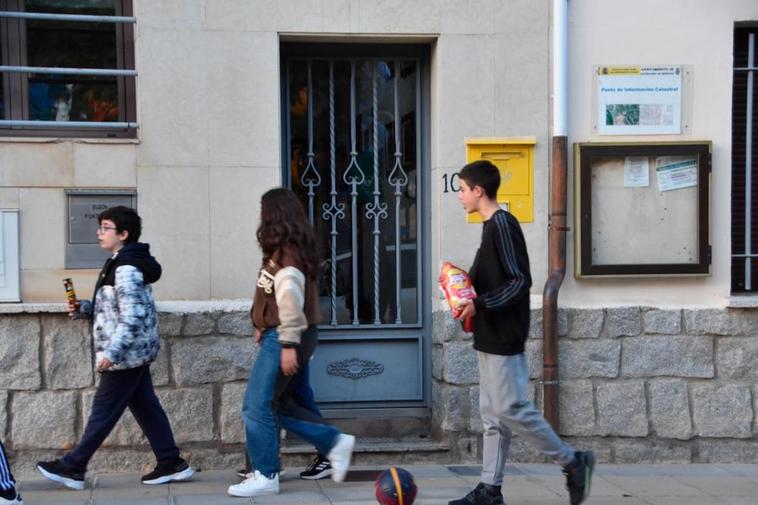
{"points": [[745, 161]]}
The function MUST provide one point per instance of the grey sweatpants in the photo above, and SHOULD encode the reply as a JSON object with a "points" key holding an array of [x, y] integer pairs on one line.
{"points": [[505, 408]]}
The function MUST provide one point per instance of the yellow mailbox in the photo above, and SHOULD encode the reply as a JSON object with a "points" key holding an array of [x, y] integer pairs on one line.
{"points": [[514, 157]]}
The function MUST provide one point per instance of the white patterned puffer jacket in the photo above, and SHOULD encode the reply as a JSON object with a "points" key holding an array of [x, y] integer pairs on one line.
{"points": [[125, 324]]}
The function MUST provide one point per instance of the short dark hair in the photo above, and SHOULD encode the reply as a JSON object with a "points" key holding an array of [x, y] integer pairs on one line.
{"points": [[482, 173], [125, 218]]}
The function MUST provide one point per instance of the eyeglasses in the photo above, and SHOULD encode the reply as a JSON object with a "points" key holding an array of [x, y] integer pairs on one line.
{"points": [[104, 229]]}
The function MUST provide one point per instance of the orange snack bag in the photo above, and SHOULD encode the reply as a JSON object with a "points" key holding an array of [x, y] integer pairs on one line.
{"points": [[456, 285]]}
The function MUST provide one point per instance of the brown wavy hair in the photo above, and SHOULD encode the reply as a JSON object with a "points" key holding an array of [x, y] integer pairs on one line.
{"points": [[284, 227]]}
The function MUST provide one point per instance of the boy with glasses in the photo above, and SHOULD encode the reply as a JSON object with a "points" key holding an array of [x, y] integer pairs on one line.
{"points": [[126, 341]]}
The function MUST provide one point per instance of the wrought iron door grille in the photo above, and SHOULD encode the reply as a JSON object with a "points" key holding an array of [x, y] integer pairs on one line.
{"points": [[353, 130]]}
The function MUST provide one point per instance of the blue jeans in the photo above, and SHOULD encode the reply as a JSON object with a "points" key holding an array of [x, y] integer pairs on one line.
{"points": [[302, 393], [266, 407]]}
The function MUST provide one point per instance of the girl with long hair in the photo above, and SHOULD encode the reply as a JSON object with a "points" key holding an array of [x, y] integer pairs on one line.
{"points": [[285, 314]]}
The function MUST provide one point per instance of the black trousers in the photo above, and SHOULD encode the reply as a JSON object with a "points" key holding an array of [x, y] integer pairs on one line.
{"points": [[118, 390]]}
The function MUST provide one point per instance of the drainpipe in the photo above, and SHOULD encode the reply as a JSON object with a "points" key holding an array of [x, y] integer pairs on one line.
{"points": [[557, 218]]}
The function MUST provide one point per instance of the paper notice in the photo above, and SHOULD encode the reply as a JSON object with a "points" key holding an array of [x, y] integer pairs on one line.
{"points": [[636, 172], [676, 172], [639, 100]]}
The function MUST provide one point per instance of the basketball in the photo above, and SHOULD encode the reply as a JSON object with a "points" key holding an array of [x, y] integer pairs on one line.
{"points": [[395, 486]]}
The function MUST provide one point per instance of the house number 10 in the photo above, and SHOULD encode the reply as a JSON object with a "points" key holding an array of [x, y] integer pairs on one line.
{"points": [[452, 182]]}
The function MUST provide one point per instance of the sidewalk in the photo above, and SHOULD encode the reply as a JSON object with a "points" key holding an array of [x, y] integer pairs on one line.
{"points": [[525, 485]]}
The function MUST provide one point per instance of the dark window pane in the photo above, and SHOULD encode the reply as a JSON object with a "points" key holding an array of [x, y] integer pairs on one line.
{"points": [[92, 7], [374, 158], [77, 45], [54, 99], [740, 47], [70, 44]]}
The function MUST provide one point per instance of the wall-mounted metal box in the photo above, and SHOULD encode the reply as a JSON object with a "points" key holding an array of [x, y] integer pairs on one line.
{"points": [[9, 256], [83, 207], [514, 157]]}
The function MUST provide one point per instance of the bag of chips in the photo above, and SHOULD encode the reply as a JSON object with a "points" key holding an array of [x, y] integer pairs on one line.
{"points": [[456, 285]]}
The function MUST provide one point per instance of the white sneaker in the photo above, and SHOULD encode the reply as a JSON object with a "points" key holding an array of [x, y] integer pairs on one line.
{"points": [[340, 456], [256, 484]]}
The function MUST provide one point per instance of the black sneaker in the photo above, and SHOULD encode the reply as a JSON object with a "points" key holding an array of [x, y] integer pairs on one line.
{"points": [[579, 476], [319, 468], [178, 470], [483, 494], [242, 472], [58, 472], [10, 497]]}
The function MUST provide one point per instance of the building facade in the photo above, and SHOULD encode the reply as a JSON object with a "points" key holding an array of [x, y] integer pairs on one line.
{"points": [[366, 109]]}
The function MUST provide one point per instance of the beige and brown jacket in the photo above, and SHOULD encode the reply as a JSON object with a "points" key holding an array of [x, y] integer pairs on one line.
{"points": [[285, 299]]}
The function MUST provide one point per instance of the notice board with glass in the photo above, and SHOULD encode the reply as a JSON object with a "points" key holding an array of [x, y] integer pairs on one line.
{"points": [[642, 209]]}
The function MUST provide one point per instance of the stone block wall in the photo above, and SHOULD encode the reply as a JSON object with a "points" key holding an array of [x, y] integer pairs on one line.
{"points": [[47, 385], [638, 384]]}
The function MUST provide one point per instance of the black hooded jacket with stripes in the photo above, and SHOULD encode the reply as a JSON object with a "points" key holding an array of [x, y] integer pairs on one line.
{"points": [[501, 278]]}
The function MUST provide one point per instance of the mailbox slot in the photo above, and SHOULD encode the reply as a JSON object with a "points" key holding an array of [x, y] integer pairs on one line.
{"points": [[515, 160]]}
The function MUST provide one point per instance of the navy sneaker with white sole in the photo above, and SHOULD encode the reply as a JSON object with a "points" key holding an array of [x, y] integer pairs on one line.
{"points": [[179, 470], [10, 497], [58, 472]]}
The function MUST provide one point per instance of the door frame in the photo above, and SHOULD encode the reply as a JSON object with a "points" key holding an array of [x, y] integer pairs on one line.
{"points": [[422, 51]]}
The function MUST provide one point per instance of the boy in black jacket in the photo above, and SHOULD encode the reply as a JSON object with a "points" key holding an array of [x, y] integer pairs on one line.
{"points": [[500, 275]]}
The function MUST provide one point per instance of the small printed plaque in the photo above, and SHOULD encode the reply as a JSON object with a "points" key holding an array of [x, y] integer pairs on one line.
{"points": [[82, 247]]}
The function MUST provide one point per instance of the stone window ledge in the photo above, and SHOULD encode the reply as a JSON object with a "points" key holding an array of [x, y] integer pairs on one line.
{"points": [[169, 306], [742, 302]]}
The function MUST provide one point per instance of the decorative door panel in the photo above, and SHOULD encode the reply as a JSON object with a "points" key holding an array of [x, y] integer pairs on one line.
{"points": [[352, 155]]}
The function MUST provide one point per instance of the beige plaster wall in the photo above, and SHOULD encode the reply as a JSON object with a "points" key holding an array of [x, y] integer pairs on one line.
{"points": [[681, 32], [490, 84], [209, 113], [208, 99], [33, 176]]}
